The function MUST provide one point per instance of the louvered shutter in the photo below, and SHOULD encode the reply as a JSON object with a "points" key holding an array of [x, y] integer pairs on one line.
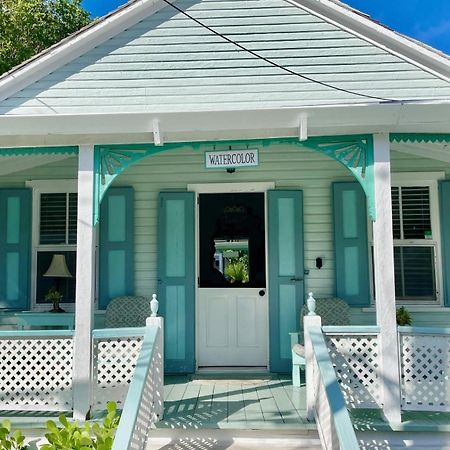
{"points": [[351, 244], [116, 265], [444, 197], [15, 238]]}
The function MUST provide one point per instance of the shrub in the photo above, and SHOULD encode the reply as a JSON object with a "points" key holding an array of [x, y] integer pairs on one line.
{"points": [[11, 441], [83, 437]]}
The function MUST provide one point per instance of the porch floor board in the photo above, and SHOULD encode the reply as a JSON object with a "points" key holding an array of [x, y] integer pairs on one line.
{"points": [[234, 401], [372, 420]]}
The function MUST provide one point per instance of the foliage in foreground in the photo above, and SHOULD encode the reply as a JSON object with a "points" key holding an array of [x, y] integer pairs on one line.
{"points": [[30, 26], [10, 440], [68, 436]]}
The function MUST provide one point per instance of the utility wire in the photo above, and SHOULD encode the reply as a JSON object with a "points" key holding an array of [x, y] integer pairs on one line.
{"points": [[292, 72]]}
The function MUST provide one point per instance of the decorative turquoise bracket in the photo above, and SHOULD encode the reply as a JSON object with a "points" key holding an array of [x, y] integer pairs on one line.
{"points": [[110, 161], [356, 154], [29, 151], [420, 137]]}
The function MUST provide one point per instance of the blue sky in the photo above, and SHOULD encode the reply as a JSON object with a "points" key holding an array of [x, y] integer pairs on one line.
{"points": [[425, 20]]}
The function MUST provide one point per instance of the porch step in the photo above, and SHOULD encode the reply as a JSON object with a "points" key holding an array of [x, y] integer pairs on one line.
{"points": [[216, 439]]}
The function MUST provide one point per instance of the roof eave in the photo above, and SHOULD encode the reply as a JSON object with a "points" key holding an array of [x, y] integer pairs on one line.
{"points": [[76, 45], [76, 129], [358, 23]]}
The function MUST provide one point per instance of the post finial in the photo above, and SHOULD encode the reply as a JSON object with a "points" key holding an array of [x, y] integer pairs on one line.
{"points": [[154, 305], [311, 304]]}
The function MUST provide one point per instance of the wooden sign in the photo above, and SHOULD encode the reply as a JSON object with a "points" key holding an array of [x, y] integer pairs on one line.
{"points": [[231, 159]]}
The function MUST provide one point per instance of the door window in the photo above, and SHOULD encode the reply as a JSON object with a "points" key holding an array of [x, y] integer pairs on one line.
{"points": [[232, 240]]}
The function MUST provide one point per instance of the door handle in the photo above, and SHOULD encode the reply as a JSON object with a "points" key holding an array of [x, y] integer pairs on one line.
{"points": [[296, 279]]}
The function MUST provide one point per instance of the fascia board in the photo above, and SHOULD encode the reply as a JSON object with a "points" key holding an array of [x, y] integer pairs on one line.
{"points": [[69, 49], [210, 125], [425, 58]]}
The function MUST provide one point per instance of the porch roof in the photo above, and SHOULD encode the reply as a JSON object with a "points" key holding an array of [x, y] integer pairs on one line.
{"points": [[149, 57]]}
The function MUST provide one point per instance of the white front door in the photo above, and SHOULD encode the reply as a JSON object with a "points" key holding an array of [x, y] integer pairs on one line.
{"points": [[232, 300], [232, 327]]}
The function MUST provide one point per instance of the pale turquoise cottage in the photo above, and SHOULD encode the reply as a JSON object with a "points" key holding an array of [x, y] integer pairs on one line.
{"points": [[331, 172]]}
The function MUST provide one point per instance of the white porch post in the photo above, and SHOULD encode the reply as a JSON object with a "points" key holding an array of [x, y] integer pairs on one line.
{"points": [[85, 284], [384, 281]]}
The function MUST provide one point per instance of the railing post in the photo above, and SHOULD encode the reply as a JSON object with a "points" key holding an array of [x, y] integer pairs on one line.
{"points": [[309, 321], [85, 284], [158, 321], [383, 246]]}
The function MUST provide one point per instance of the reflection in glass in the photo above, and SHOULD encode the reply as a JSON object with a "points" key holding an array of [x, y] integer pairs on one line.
{"points": [[231, 260]]}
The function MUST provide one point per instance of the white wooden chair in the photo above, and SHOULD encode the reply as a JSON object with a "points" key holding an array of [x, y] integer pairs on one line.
{"points": [[333, 311], [127, 311]]}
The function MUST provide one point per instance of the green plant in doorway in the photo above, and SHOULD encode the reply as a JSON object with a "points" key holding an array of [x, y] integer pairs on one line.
{"points": [[237, 271]]}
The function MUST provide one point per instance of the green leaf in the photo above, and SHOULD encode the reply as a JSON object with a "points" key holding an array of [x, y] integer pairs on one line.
{"points": [[64, 421], [111, 407], [6, 424], [30, 26]]}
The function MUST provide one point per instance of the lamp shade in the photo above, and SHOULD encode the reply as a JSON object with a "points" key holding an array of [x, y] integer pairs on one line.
{"points": [[58, 268]]}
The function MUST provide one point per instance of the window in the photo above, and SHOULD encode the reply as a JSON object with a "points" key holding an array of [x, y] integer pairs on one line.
{"points": [[415, 227], [54, 233], [414, 247]]}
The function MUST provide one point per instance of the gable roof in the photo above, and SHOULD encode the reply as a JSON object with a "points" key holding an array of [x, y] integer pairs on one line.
{"points": [[147, 57]]}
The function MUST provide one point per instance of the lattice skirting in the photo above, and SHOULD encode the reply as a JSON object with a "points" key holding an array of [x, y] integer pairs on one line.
{"points": [[114, 363], [355, 360], [36, 373]]}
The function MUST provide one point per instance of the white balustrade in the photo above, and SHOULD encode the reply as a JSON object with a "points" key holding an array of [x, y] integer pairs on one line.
{"points": [[355, 358], [36, 370], [144, 404], [115, 353], [325, 399], [425, 369]]}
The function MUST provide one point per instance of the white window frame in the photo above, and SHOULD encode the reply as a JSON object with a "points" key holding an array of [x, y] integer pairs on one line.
{"points": [[39, 187], [413, 179]]}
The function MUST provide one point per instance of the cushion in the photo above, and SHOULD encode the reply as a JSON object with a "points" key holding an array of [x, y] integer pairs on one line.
{"points": [[299, 350]]}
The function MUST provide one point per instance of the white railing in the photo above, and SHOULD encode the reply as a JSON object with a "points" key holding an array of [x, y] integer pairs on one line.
{"points": [[325, 400], [425, 368], [115, 352], [144, 404], [36, 370], [354, 354]]}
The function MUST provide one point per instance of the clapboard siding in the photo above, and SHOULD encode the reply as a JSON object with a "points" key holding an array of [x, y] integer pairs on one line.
{"points": [[167, 62], [288, 167]]}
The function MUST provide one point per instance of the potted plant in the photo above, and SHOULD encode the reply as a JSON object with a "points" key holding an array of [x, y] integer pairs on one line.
{"points": [[55, 297], [403, 317]]}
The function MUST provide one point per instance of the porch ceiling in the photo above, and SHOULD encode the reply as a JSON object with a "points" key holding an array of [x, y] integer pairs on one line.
{"points": [[433, 150], [11, 164]]}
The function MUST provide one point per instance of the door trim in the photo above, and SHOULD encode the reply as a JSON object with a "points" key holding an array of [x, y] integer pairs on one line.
{"points": [[224, 188]]}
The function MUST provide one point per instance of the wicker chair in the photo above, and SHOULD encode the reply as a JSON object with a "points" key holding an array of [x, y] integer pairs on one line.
{"points": [[127, 311], [333, 311]]}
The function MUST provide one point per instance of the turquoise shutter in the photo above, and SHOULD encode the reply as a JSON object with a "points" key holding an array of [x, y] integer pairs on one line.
{"points": [[176, 278], [286, 287], [116, 258], [444, 200], [350, 244], [15, 256]]}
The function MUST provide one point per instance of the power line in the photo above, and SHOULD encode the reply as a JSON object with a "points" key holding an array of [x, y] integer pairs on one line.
{"points": [[256, 55]]}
